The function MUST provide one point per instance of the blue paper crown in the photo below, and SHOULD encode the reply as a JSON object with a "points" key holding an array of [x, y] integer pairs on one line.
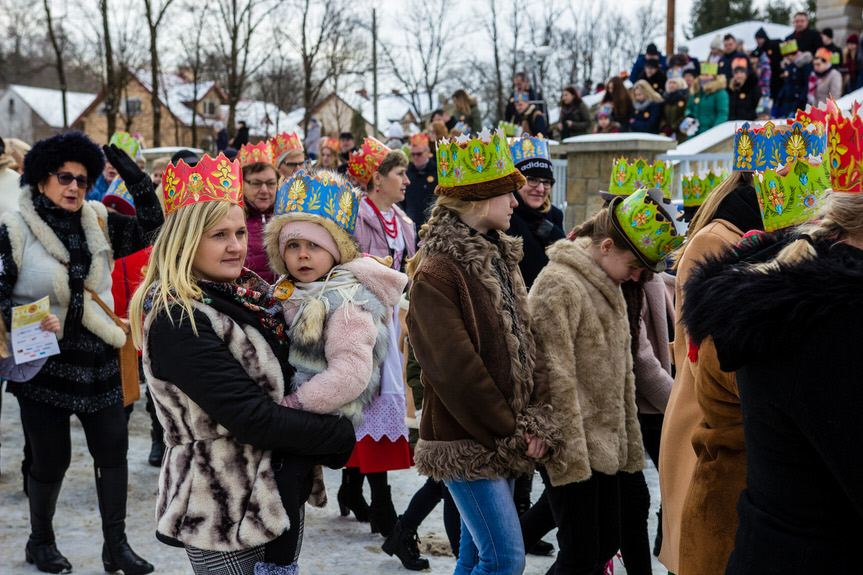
{"points": [[521, 97], [529, 148], [760, 148], [118, 188], [604, 109], [320, 194], [675, 73]]}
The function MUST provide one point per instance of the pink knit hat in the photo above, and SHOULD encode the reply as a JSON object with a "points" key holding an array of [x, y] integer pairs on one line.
{"points": [[303, 230]]}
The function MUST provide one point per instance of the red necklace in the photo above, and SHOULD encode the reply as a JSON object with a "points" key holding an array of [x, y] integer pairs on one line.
{"points": [[391, 227]]}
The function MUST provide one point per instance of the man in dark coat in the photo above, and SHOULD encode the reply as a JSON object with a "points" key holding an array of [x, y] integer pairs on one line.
{"points": [[729, 54], [242, 136], [520, 85], [771, 48], [808, 39], [422, 173]]}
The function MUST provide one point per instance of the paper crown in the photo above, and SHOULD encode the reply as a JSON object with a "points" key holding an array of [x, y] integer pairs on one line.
{"points": [[210, 180], [118, 198], [675, 74], [126, 142], [627, 178], [262, 152], [420, 139], [320, 194], [788, 47], [284, 144], [739, 63], [510, 130], [464, 160], [834, 58], [331, 143], [758, 148], [791, 195], [521, 97], [528, 148], [844, 143], [646, 226], [695, 187], [824, 54], [709, 68], [603, 110], [363, 163]]}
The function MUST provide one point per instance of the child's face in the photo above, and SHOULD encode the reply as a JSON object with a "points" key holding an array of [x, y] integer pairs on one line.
{"points": [[307, 261], [603, 121]]}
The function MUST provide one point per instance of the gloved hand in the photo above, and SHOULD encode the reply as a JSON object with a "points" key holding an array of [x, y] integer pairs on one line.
{"points": [[125, 166]]}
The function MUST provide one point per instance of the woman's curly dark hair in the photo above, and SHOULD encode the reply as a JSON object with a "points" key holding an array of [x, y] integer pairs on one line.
{"points": [[49, 154]]}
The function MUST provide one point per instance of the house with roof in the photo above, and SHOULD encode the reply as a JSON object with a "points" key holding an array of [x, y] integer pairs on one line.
{"points": [[265, 119], [182, 104], [32, 114], [337, 110]]}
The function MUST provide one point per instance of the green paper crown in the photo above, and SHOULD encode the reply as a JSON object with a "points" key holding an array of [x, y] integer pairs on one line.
{"points": [[646, 226], [465, 160], [695, 187], [788, 47], [791, 195], [510, 130], [709, 68], [126, 142], [626, 178]]}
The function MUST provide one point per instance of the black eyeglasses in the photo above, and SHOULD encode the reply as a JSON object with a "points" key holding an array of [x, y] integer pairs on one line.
{"points": [[293, 164], [257, 185], [535, 182], [66, 178]]}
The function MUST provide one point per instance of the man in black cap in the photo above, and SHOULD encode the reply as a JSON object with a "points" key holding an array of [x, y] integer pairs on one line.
{"points": [[770, 48], [651, 53], [808, 39], [827, 40]]}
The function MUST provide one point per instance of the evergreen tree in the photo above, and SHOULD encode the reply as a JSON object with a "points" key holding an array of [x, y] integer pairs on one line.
{"points": [[709, 15], [778, 12]]}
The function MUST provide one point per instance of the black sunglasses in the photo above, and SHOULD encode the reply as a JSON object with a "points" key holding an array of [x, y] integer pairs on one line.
{"points": [[65, 178]]}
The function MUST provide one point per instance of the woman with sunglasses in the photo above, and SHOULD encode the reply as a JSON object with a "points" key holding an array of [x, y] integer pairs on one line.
{"points": [[62, 246]]}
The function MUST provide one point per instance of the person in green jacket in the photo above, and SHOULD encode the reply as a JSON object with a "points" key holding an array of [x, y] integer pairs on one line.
{"points": [[708, 99], [574, 114], [466, 110]]}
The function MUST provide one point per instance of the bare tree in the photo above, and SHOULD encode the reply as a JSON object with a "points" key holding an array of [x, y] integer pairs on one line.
{"points": [[155, 11], [58, 42], [195, 63], [111, 100], [238, 20], [422, 62], [279, 82]]}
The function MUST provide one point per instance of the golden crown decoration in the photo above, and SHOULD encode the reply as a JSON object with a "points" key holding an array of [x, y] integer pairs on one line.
{"points": [[319, 194], [210, 180], [365, 162], [262, 152], [284, 144]]}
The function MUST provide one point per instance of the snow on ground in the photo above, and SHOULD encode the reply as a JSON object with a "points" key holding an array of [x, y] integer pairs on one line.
{"points": [[333, 544]]}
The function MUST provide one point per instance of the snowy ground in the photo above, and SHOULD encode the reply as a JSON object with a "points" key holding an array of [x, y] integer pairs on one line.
{"points": [[333, 545]]}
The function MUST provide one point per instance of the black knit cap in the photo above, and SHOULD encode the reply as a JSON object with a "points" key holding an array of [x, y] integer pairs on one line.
{"points": [[48, 155], [760, 33]]}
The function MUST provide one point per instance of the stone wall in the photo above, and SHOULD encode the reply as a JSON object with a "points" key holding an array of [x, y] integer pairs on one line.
{"points": [[844, 16], [590, 159]]}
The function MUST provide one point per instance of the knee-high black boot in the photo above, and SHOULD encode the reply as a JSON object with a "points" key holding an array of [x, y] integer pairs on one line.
{"points": [[382, 513], [111, 483], [41, 548], [157, 440], [350, 494]]}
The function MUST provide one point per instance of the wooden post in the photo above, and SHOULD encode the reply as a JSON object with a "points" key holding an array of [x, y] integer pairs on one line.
{"points": [[669, 28]]}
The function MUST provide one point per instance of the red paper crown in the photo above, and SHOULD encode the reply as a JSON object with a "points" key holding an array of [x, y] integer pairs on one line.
{"points": [[210, 180], [262, 152], [330, 143], [365, 162], [420, 139], [739, 63], [845, 150], [284, 144]]}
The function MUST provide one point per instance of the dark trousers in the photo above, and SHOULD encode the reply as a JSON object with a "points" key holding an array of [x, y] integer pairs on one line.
{"points": [[587, 514], [294, 479], [47, 430], [422, 503]]}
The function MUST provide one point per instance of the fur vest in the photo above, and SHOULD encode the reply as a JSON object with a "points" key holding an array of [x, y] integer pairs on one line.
{"points": [[215, 492], [582, 328], [474, 342], [42, 259], [314, 335]]}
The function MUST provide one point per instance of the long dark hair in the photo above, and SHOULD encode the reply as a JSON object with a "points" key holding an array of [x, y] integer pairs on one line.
{"points": [[576, 100], [617, 94]]}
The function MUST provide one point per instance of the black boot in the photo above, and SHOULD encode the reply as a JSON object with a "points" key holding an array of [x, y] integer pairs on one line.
{"points": [[157, 439], [41, 548], [350, 495], [382, 513], [404, 543], [111, 484], [657, 543]]}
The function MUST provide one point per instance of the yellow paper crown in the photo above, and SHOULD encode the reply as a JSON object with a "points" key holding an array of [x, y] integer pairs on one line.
{"points": [[285, 144], [262, 152], [210, 180]]}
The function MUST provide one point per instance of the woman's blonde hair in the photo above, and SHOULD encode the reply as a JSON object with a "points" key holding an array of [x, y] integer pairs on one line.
{"points": [[647, 90], [707, 211], [840, 218], [170, 267], [444, 205]]}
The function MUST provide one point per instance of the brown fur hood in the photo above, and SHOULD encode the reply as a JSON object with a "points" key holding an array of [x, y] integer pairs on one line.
{"points": [[711, 87], [462, 433]]}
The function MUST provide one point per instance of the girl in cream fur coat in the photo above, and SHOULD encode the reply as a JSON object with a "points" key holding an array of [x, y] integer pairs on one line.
{"points": [[580, 318]]}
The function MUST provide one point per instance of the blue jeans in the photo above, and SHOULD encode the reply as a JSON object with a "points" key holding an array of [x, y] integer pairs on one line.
{"points": [[491, 541]]}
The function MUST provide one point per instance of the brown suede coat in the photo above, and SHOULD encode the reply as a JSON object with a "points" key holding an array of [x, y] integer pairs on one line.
{"points": [[477, 358], [677, 458]]}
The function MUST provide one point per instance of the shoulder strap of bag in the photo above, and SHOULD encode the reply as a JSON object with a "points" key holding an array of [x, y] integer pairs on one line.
{"points": [[120, 323]]}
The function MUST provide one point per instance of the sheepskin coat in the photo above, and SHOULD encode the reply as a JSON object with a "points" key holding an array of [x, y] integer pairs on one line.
{"points": [[683, 415], [337, 356], [217, 395], [583, 331], [471, 333], [791, 336]]}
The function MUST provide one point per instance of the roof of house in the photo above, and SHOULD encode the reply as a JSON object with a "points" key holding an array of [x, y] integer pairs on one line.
{"points": [[177, 93], [391, 107], [48, 104], [265, 119]]}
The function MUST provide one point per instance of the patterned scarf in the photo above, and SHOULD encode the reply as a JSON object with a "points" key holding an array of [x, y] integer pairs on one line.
{"points": [[252, 292], [67, 227]]}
